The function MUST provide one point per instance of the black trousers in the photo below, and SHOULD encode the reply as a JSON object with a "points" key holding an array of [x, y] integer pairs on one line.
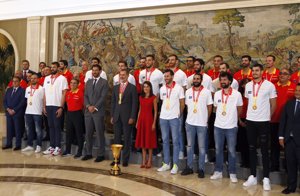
{"points": [[292, 153], [242, 144], [75, 126], [259, 130], [119, 128], [275, 147]]}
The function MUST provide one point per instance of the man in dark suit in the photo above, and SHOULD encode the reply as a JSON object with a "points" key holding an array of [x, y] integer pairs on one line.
{"points": [[26, 70], [289, 138], [94, 100], [124, 112], [14, 103]]}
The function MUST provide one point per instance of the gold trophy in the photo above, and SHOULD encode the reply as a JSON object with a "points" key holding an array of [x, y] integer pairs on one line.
{"points": [[116, 150]]}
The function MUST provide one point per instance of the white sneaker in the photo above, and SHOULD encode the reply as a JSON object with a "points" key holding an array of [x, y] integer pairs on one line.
{"points": [[233, 178], [206, 158], [56, 152], [251, 181], [266, 184], [159, 155], [48, 151], [216, 175], [164, 167], [174, 169], [181, 155], [28, 148], [38, 149]]}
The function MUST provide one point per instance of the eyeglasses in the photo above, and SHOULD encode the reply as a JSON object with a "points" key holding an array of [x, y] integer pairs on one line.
{"points": [[284, 73]]}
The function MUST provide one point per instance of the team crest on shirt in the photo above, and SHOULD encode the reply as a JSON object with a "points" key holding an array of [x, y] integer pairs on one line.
{"points": [[190, 97], [219, 100], [28, 92], [249, 92], [164, 94], [48, 82], [144, 77]]}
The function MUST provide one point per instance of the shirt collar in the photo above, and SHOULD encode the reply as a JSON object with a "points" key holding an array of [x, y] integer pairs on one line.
{"points": [[288, 84]]}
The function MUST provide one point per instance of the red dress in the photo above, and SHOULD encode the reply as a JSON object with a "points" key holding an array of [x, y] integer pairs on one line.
{"points": [[146, 137]]}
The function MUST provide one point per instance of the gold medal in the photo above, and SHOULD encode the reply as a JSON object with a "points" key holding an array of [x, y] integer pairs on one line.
{"points": [[30, 100], [195, 110], [224, 113], [254, 107], [120, 98], [30, 103]]}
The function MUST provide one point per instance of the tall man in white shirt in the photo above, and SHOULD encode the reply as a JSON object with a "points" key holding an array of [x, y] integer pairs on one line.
{"points": [[33, 114], [123, 66], [180, 79], [198, 67], [172, 96], [224, 67], [55, 87], [89, 75], [261, 95], [152, 74], [199, 106], [228, 103]]}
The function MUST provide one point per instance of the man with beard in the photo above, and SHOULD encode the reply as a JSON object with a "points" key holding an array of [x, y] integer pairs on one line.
{"points": [[136, 73], [228, 103], [26, 65], [206, 80], [199, 106], [89, 75], [189, 66], [95, 94], [214, 72], [124, 113], [23, 83], [55, 87], [172, 96], [63, 65], [295, 78], [246, 71], [42, 65], [123, 66], [271, 73], [180, 79], [261, 95], [151, 74]]}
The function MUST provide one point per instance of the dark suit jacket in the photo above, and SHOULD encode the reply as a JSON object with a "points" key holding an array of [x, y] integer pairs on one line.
{"points": [[17, 102], [128, 108], [290, 122], [96, 97]]}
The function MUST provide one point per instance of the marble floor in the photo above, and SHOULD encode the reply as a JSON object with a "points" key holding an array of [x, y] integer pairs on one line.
{"points": [[30, 174]]}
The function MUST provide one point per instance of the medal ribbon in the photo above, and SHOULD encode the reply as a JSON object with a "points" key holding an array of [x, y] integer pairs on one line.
{"points": [[255, 94], [151, 70], [52, 81], [195, 99], [227, 96]]}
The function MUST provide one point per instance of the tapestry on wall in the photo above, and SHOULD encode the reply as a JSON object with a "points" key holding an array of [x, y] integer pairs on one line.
{"points": [[257, 31], [7, 65]]}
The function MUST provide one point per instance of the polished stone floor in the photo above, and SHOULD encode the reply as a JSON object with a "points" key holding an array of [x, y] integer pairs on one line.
{"points": [[30, 174]]}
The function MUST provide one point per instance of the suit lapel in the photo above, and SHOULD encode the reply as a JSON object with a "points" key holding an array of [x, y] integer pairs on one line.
{"points": [[126, 91]]}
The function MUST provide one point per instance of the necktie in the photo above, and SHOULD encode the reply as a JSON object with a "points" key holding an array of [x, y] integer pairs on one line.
{"points": [[94, 84], [14, 90], [24, 74], [297, 108]]}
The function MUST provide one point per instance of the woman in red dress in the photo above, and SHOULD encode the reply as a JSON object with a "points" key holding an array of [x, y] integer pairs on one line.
{"points": [[146, 130]]}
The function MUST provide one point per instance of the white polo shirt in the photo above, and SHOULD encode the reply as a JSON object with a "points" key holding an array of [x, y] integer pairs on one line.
{"points": [[156, 78], [266, 92], [34, 102], [217, 86], [89, 75], [229, 120], [54, 94], [206, 81], [116, 79], [201, 116], [174, 109], [180, 78]]}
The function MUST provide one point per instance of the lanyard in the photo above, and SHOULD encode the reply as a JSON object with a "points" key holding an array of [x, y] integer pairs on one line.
{"points": [[171, 88], [224, 103], [195, 99], [32, 92], [52, 81], [151, 71]]}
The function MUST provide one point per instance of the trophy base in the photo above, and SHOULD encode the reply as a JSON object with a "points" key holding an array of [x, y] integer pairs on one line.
{"points": [[115, 172]]}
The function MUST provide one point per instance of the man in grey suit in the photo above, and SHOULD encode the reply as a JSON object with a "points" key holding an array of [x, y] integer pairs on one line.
{"points": [[124, 112], [94, 100]]}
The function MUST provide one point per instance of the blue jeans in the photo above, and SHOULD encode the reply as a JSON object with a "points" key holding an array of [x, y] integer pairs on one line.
{"points": [[191, 132], [34, 125], [181, 137], [55, 127], [166, 126], [230, 135]]}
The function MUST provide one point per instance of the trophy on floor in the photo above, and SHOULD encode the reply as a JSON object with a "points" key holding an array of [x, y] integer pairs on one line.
{"points": [[116, 150]]}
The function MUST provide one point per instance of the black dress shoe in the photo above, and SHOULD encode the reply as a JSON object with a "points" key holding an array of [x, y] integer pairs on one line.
{"points": [[78, 155], [17, 148], [113, 163], [87, 157], [287, 191], [201, 174], [125, 164], [187, 171], [6, 147], [99, 159], [46, 138]]}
